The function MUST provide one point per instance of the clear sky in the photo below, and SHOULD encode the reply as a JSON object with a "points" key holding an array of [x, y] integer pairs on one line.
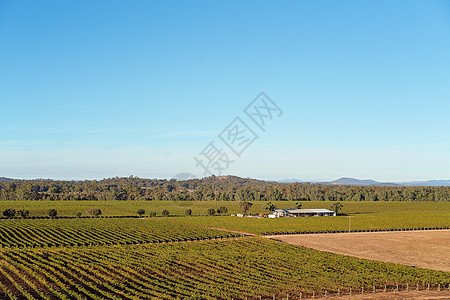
{"points": [[94, 89]]}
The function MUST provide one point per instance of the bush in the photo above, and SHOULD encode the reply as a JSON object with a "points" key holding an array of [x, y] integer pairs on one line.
{"points": [[78, 215], [9, 212], [141, 212], [222, 210], [94, 212], [153, 214], [165, 213], [211, 212], [52, 213], [188, 212], [24, 213]]}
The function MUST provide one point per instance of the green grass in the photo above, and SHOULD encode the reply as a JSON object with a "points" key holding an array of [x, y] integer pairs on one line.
{"points": [[244, 267], [124, 208]]}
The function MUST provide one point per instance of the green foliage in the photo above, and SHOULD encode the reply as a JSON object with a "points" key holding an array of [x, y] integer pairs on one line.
{"points": [[177, 208], [9, 212], [245, 267], [52, 213], [298, 205], [225, 188], [274, 194], [94, 212], [245, 195], [366, 221], [23, 213], [222, 210], [153, 214], [165, 213], [188, 212], [269, 206], [141, 212], [196, 297], [211, 211], [67, 232], [336, 207], [245, 206], [78, 215]]}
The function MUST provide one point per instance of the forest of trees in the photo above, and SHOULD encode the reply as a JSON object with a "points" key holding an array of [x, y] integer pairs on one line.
{"points": [[223, 188]]}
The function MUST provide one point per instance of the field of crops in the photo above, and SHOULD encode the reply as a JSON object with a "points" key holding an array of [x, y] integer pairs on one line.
{"points": [[105, 231], [128, 208], [383, 220], [162, 258], [80, 232], [239, 268]]}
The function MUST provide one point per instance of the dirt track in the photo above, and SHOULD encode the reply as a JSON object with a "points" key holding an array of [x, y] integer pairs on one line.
{"points": [[421, 295], [424, 249]]}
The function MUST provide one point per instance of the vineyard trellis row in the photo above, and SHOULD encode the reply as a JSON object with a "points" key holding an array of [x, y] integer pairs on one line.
{"points": [[216, 269], [46, 233]]}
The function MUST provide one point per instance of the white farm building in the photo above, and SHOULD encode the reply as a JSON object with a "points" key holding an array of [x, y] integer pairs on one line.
{"points": [[302, 213]]}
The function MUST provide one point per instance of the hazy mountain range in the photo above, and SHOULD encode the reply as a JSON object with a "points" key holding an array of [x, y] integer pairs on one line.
{"points": [[354, 181]]}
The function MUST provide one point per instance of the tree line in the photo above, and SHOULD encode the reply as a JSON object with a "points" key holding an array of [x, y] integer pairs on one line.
{"points": [[214, 188]]}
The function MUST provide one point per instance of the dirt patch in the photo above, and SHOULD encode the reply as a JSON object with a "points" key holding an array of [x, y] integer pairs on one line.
{"points": [[424, 249], [416, 295]]}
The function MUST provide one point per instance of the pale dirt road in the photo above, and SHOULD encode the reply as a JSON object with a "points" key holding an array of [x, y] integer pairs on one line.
{"points": [[425, 249], [413, 295]]}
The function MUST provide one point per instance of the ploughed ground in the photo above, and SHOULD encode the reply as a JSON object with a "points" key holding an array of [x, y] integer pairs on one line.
{"points": [[425, 249]]}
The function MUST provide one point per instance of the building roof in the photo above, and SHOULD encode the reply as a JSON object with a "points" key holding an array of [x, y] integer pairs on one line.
{"points": [[305, 211]]}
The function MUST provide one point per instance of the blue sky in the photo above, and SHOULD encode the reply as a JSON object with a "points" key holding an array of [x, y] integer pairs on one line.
{"points": [[94, 89]]}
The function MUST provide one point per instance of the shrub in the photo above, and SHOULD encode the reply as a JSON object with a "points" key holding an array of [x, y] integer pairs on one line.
{"points": [[141, 212], [188, 212], [52, 213], [94, 212], [9, 213], [222, 210], [165, 213], [153, 214], [78, 215], [298, 205], [24, 213], [211, 212]]}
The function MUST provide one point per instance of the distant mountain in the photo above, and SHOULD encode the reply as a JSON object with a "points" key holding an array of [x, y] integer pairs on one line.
{"points": [[5, 179], [291, 180], [368, 182], [426, 183], [353, 181]]}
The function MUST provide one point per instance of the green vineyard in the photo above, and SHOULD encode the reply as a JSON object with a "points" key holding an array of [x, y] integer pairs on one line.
{"points": [[190, 258], [129, 208], [361, 221], [82, 232], [238, 268]]}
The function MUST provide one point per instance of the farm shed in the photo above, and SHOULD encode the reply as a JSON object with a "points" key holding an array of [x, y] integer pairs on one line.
{"points": [[303, 213]]}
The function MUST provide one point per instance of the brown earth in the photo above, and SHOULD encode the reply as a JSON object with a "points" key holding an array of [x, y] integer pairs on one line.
{"points": [[416, 295], [425, 249]]}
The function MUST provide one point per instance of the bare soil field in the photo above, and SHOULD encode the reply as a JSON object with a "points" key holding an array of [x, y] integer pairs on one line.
{"points": [[416, 295], [424, 249]]}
